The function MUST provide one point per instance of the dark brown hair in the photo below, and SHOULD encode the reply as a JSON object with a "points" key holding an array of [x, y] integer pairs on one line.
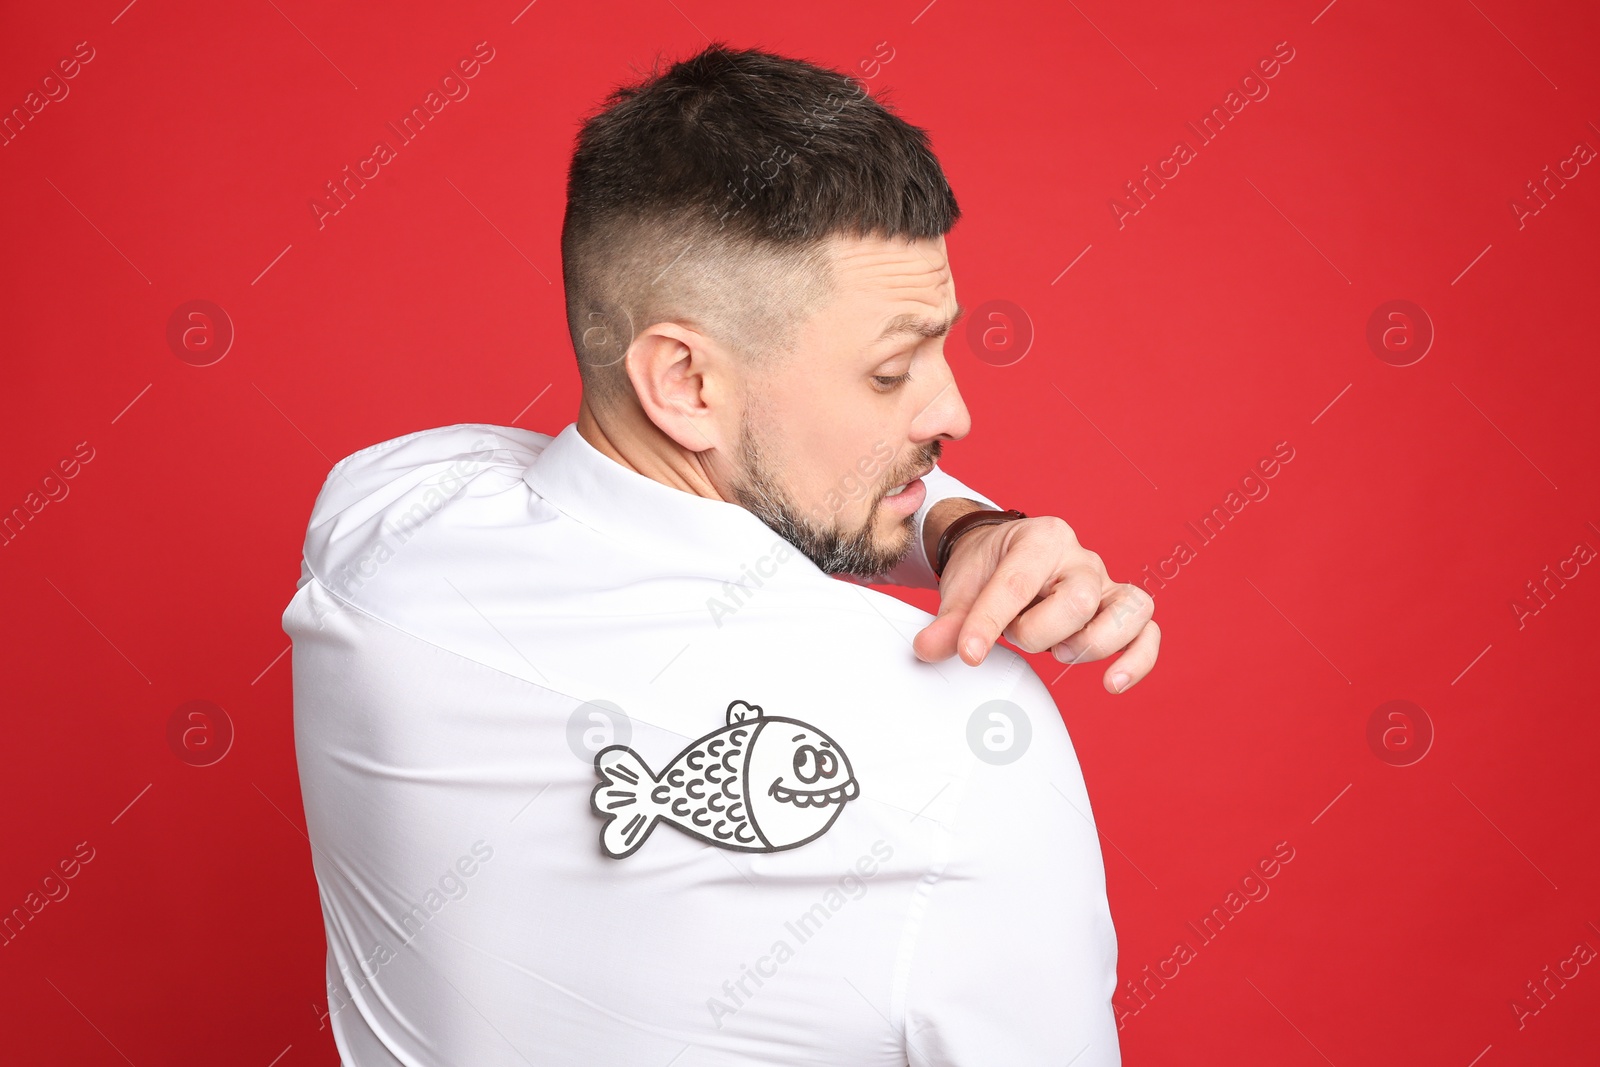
{"points": [[705, 194]]}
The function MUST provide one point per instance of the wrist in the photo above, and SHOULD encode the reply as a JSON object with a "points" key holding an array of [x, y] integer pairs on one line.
{"points": [[963, 524], [940, 516]]}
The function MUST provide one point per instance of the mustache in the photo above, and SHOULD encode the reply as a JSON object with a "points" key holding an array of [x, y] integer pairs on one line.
{"points": [[929, 458]]}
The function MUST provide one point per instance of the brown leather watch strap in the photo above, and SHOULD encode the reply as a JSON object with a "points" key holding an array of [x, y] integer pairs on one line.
{"points": [[971, 520]]}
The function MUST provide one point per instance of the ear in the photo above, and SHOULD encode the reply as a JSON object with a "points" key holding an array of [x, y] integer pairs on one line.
{"points": [[681, 382], [740, 711]]}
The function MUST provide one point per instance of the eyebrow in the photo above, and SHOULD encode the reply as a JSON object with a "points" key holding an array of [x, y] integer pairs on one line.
{"points": [[909, 325]]}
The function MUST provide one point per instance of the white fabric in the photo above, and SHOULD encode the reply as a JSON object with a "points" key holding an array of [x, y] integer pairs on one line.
{"points": [[477, 601]]}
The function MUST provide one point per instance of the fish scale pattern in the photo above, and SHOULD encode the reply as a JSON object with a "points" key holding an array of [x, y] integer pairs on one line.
{"points": [[704, 787]]}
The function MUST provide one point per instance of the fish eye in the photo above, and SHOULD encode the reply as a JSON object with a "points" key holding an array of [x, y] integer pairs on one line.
{"points": [[806, 765], [827, 764]]}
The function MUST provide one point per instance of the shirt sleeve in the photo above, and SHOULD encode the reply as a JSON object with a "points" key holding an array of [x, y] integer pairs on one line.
{"points": [[914, 572], [1015, 959]]}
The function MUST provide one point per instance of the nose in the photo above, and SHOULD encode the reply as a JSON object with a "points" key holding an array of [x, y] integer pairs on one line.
{"points": [[944, 414]]}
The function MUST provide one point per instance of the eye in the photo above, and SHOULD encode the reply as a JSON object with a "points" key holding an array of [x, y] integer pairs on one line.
{"points": [[890, 383], [827, 764], [806, 767]]}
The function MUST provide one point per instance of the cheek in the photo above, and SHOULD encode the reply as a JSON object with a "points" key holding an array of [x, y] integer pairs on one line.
{"points": [[845, 468], [837, 446]]}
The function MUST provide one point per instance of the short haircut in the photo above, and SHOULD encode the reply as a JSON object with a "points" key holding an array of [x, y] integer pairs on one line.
{"points": [[708, 194]]}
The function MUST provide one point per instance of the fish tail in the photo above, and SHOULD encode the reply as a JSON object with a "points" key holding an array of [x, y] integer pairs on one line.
{"points": [[623, 800]]}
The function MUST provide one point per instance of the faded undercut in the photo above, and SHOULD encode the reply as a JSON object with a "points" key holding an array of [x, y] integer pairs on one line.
{"points": [[707, 194]]}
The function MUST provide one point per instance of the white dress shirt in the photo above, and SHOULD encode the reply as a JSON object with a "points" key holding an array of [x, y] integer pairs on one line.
{"points": [[599, 772]]}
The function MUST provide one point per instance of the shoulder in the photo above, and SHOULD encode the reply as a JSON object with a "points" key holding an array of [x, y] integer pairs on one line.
{"points": [[463, 447], [840, 641], [375, 500]]}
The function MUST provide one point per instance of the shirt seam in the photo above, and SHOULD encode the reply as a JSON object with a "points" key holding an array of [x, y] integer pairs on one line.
{"points": [[389, 624], [753, 606], [395, 442], [447, 650]]}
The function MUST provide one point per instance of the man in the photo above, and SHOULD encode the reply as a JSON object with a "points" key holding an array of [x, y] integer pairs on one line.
{"points": [[600, 764]]}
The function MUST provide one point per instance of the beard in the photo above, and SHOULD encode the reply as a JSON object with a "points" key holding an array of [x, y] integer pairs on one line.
{"points": [[832, 547]]}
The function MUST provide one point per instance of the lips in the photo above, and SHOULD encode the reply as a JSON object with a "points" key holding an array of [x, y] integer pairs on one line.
{"points": [[898, 489], [816, 798]]}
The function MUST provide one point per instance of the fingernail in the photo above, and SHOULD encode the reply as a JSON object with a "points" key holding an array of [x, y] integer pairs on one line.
{"points": [[1119, 682], [974, 648]]}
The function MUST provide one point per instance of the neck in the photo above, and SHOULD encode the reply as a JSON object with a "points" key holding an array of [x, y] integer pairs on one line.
{"points": [[631, 439]]}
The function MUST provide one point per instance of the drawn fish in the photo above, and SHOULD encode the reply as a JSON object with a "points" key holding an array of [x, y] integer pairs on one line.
{"points": [[758, 784]]}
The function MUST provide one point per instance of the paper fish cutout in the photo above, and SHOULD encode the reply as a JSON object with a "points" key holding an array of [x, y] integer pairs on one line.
{"points": [[758, 784]]}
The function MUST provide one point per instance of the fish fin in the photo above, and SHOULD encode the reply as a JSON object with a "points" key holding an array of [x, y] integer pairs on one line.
{"points": [[622, 799], [741, 711]]}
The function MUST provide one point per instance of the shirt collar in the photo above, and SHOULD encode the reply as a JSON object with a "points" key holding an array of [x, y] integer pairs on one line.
{"points": [[691, 535]]}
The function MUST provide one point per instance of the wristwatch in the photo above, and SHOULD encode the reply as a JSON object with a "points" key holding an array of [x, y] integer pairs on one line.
{"points": [[971, 520]]}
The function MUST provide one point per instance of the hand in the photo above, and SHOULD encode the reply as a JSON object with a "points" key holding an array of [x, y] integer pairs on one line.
{"points": [[1031, 580]]}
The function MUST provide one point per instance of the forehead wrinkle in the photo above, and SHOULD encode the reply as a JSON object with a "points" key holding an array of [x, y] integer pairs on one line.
{"points": [[904, 273], [904, 266], [902, 262]]}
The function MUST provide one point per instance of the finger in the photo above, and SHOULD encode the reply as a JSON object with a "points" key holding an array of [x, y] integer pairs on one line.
{"points": [[937, 640], [1016, 582], [1136, 661], [1063, 613], [958, 590], [1123, 611]]}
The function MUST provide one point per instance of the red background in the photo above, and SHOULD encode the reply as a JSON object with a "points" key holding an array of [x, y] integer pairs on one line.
{"points": [[1229, 314]]}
